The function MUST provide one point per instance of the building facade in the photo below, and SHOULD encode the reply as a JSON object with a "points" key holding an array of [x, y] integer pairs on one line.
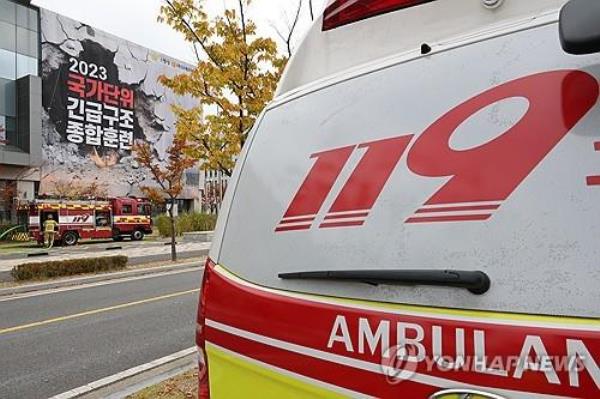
{"points": [[20, 104], [213, 185], [73, 102]]}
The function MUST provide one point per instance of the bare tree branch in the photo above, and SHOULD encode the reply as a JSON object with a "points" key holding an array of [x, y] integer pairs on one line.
{"points": [[287, 37]]}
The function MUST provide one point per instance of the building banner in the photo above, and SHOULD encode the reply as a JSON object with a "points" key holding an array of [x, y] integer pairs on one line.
{"points": [[101, 95]]}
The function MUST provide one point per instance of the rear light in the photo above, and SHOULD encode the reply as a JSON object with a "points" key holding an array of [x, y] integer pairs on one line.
{"points": [[343, 12], [203, 385]]}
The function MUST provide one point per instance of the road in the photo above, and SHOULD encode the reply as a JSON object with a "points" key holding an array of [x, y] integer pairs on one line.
{"points": [[57, 341]]}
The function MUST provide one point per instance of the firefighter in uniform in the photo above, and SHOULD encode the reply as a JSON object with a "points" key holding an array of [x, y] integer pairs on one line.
{"points": [[49, 231]]}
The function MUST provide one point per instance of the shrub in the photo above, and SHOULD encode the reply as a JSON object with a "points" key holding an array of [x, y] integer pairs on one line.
{"points": [[4, 228], [163, 225], [14, 232], [203, 221], [185, 222], [43, 270]]}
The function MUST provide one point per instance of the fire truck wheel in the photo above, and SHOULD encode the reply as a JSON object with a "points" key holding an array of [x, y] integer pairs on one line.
{"points": [[137, 235], [70, 239]]}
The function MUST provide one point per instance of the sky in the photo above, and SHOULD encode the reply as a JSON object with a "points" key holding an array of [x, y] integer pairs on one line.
{"points": [[135, 20]]}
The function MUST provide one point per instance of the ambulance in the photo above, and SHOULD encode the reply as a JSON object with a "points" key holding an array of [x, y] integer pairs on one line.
{"points": [[417, 213]]}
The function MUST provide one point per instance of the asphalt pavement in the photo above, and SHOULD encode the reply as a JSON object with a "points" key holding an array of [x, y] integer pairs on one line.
{"points": [[58, 341]]}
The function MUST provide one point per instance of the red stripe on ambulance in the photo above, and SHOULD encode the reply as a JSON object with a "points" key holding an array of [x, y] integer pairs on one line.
{"points": [[368, 383], [489, 348]]}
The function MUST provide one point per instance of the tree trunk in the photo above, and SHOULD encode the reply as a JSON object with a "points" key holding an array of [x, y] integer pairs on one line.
{"points": [[172, 220]]}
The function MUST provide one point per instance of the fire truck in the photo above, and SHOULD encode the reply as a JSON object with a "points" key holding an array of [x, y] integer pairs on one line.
{"points": [[114, 218]]}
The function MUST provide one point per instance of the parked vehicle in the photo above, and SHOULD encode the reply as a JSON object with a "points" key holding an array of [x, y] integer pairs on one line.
{"points": [[417, 213], [90, 219]]}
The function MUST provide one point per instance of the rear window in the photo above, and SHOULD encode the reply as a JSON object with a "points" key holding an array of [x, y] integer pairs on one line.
{"points": [[343, 12], [330, 183]]}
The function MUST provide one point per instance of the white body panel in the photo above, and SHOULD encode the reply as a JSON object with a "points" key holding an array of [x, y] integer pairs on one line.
{"points": [[540, 248], [323, 54], [81, 219]]}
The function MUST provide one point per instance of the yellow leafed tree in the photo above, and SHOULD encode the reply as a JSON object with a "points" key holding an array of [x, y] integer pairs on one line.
{"points": [[167, 175], [236, 76]]}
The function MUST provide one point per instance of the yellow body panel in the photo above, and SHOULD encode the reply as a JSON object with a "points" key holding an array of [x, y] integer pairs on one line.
{"points": [[234, 376]]}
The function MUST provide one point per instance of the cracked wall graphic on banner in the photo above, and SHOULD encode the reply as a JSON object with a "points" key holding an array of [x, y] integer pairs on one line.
{"points": [[100, 95]]}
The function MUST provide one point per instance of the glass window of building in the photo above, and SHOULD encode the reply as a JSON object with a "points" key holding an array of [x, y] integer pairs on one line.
{"points": [[10, 131], [8, 36], [19, 57], [8, 92], [26, 66], [27, 42], [8, 11], [26, 17], [3, 130], [8, 65]]}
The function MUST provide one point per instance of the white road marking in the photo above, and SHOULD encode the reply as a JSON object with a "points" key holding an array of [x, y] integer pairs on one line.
{"points": [[95, 311]]}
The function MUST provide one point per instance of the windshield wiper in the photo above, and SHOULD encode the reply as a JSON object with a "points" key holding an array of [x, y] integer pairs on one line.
{"points": [[476, 282]]}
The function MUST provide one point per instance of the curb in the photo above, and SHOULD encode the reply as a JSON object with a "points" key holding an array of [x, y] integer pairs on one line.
{"points": [[97, 278], [138, 260], [14, 256], [136, 378]]}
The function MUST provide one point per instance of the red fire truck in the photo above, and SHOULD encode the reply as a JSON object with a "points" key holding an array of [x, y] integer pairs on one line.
{"points": [[91, 219]]}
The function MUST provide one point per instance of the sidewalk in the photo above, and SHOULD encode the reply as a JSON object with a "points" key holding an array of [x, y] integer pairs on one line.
{"points": [[21, 251], [137, 255], [85, 246]]}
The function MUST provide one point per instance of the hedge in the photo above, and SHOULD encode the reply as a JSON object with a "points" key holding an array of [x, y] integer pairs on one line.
{"points": [[4, 228], [185, 222], [70, 267]]}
